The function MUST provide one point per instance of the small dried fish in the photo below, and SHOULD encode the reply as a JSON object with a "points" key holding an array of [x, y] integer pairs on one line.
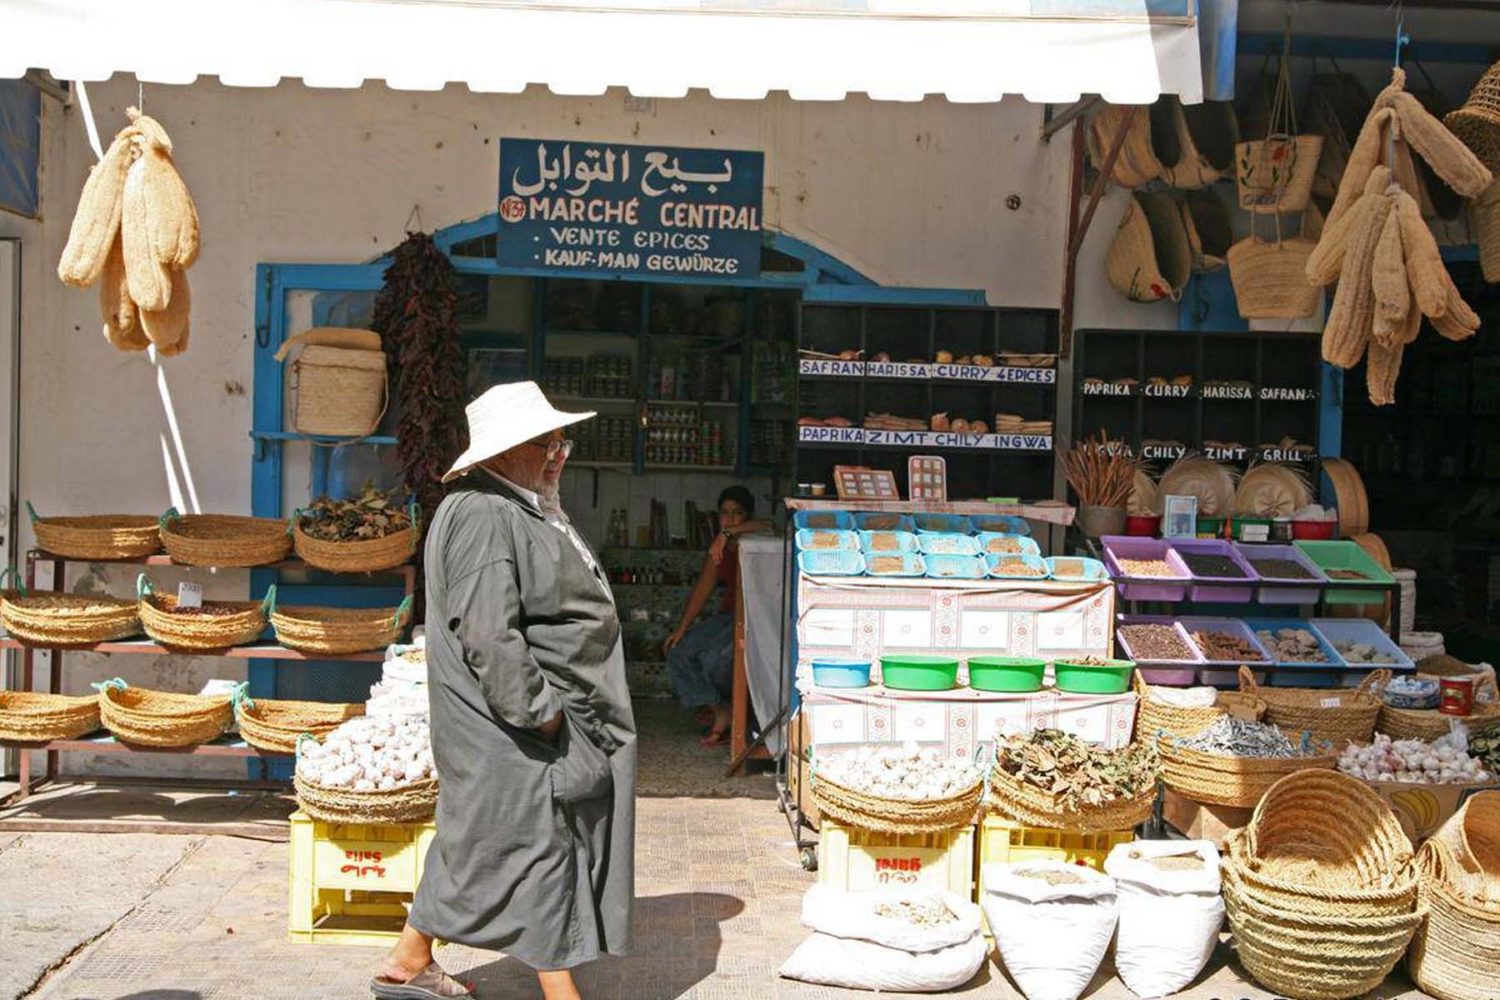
{"points": [[1228, 736]]}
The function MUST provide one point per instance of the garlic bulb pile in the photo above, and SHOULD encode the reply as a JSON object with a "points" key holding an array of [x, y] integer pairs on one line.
{"points": [[370, 754], [905, 772], [1417, 761]]}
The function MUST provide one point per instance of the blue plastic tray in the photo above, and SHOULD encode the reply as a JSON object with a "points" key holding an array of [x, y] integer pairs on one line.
{"points": [[912, 564], [1004, 524], [1019, 544], [1365, 631], [839, 672], [904, 541], [942, 543], [955, 567], [846, 540], [993, 560], [882, 521], [1091, 570], [840, 519], [1298, 673], [953, 524], [831, 562]]}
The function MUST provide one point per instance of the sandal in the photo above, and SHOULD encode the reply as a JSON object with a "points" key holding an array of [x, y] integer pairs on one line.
{"points": [[432, 983], [715, 739]]}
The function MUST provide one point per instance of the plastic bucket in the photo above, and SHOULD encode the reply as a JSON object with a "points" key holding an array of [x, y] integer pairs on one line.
{"points": [[838, 672], [1143, 525], [1313, 530], [1084, 678], [1014, 674], [919, 673]]}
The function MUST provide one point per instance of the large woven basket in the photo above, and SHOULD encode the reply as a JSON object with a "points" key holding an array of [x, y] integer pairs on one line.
{"points": [[1312, 710], [224, 539], [161, 719], [413, 803], [1396, 898], [872, 812], [275, 726], [52, 619], [337, 631], [1473, 835], [1477, 123], [368, 556], [1270, 279], [1022, 802], [1275, 174], [1230, 781], [97, 536], [1155, 719], [35, 717], [339, 391], [1429, 724], [1456, 953], [216, 625], [1323, 830], [1150, 258]]}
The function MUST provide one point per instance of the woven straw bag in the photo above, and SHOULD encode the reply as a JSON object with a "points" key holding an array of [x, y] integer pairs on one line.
{"points": [[1149, 258], [1456, 953], [224, 539], [1335, 108], [1275, 174], [96, 536], [1137, 162], [1270, 277], [1205, 135], [1156, 718], [1430, 724], [1477, 123], [35, 717], [1485, 214], [1333, 715], [873, 812], [161, 719], [1222, 780], [340, 390], [1022, 802], [337, 631], [1210, 232], [216, 625], [52, 619], [276, 726], [367, 556], [414, 803]]}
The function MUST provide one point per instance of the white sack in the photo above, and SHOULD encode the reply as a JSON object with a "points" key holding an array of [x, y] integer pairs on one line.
{"points": [[1169, 920], [1051, 937], [841, 913], [862, 965]]}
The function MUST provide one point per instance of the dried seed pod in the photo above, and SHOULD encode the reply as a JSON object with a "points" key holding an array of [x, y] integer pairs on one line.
{"points": [[97, 220], [1458, 321], [1424, 264], [1352, 316], [1327, 258], [168, 328], [1404, 172], [1381, 371], [1449, 158], [121, 325], [1388, 281], [1364, 157], [1411, 325], [171, 216], [150, 280]]}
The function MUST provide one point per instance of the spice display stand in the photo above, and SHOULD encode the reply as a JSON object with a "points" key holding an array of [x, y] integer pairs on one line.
{"points": [[227, 746]]}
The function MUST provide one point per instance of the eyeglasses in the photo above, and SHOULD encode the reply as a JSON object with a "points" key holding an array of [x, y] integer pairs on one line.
{"points": [[555, 447]]}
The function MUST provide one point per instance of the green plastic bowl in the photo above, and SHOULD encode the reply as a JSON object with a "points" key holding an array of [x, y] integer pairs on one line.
{"points": [[919, 673], [1081, 678], [1014, 674]]}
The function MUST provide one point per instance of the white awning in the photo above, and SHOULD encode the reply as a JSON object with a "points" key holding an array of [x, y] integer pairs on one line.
{"points": [[965, 50]]}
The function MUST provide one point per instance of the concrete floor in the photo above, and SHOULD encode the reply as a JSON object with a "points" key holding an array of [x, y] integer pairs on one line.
{"points": [[133, 916]]}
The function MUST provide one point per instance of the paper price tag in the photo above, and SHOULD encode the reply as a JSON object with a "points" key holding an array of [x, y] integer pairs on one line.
{"points": [[1332, 703], [218, 688], [190, 595]]}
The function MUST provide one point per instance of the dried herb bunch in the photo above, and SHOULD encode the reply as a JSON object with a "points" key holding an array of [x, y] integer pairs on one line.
{"points": [[372, 514], [1100, 471], [1078, 774]]}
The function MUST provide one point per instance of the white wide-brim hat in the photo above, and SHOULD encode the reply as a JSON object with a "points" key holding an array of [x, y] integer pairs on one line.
{"points": [[504, 417]]}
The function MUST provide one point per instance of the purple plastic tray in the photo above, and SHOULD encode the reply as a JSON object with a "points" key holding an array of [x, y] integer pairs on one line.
{"points": [[1305, 594], [1166, 588], [1233, 626], [1218, 589], [1170, 673]]}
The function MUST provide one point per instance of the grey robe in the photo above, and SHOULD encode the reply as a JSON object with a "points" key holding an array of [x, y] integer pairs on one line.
{"points": [[534, 854]]}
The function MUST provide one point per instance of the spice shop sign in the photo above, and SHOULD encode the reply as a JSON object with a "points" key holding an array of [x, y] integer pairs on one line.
{"points": [[641, 210]]}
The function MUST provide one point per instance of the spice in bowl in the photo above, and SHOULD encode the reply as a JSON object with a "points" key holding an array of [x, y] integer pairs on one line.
{"points": [[1019, 567], [1155, 642], [1003, 544], [1211, 566], [1292, 645], [1361, 652], [1146, 567], [1281, 569], [1222, 646]]}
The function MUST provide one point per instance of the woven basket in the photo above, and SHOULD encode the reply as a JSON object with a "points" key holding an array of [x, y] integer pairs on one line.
{"points": [[1270, 279], [1456, 953], [97, 536], [368, 556], [413, 803], [336, 631], [1153, 718], [1314, 956], [1149, 258], [1430, 724], [34, 717], [1137, 162], [1477, 123], [275, 726], [1326, 831], [160, 719], [1275, 174], [872, 812], [1022, 802], [224, 539], [1221, 780], [51, 619], [339, 391], [1397, 898], [1299, 710], [1473, 835], [217, 625]]}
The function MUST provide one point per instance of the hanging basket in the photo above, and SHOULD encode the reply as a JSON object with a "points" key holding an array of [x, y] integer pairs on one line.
{"points": [[340, 381], [1270, 278], [1275, 175], [96, 536], [1477, 123], [873, 812], [1137, 162], [365, 556], [161, 719], [53, 620], [1150, 259], [413, 803], [224, 539], [275, 726], [1309, 710], [1205, 134], [338, 631], [35, 717], [214, 626]]}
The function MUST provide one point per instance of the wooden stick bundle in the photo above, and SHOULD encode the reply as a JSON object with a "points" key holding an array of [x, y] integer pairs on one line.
{"points": [[1101, 471]]}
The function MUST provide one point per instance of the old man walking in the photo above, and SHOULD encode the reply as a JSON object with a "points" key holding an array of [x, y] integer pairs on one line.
{"points": [[532, 729]]}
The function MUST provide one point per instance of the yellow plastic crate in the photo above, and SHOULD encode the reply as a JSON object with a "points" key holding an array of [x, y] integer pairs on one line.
{"points": [[850, 858], [351, 884], [1003, 842]]}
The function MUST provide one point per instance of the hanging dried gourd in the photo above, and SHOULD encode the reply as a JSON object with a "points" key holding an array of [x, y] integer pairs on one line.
{"points": [[136, 228], [1376, 245]]}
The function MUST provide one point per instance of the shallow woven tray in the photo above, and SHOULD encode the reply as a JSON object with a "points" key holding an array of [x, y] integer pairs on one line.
{"points": [[162, 719], [36, 717], [228, 623], [50, 619], [1229, 781], [276, 725], [336, 631], [369, 556], [1022, 802], [1299, 710], [224, 539], [872, 812], [98, 536], [413, 803]]}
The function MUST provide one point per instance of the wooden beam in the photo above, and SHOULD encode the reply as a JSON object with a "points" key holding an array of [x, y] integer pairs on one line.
{"points": [[1056, 123]]}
